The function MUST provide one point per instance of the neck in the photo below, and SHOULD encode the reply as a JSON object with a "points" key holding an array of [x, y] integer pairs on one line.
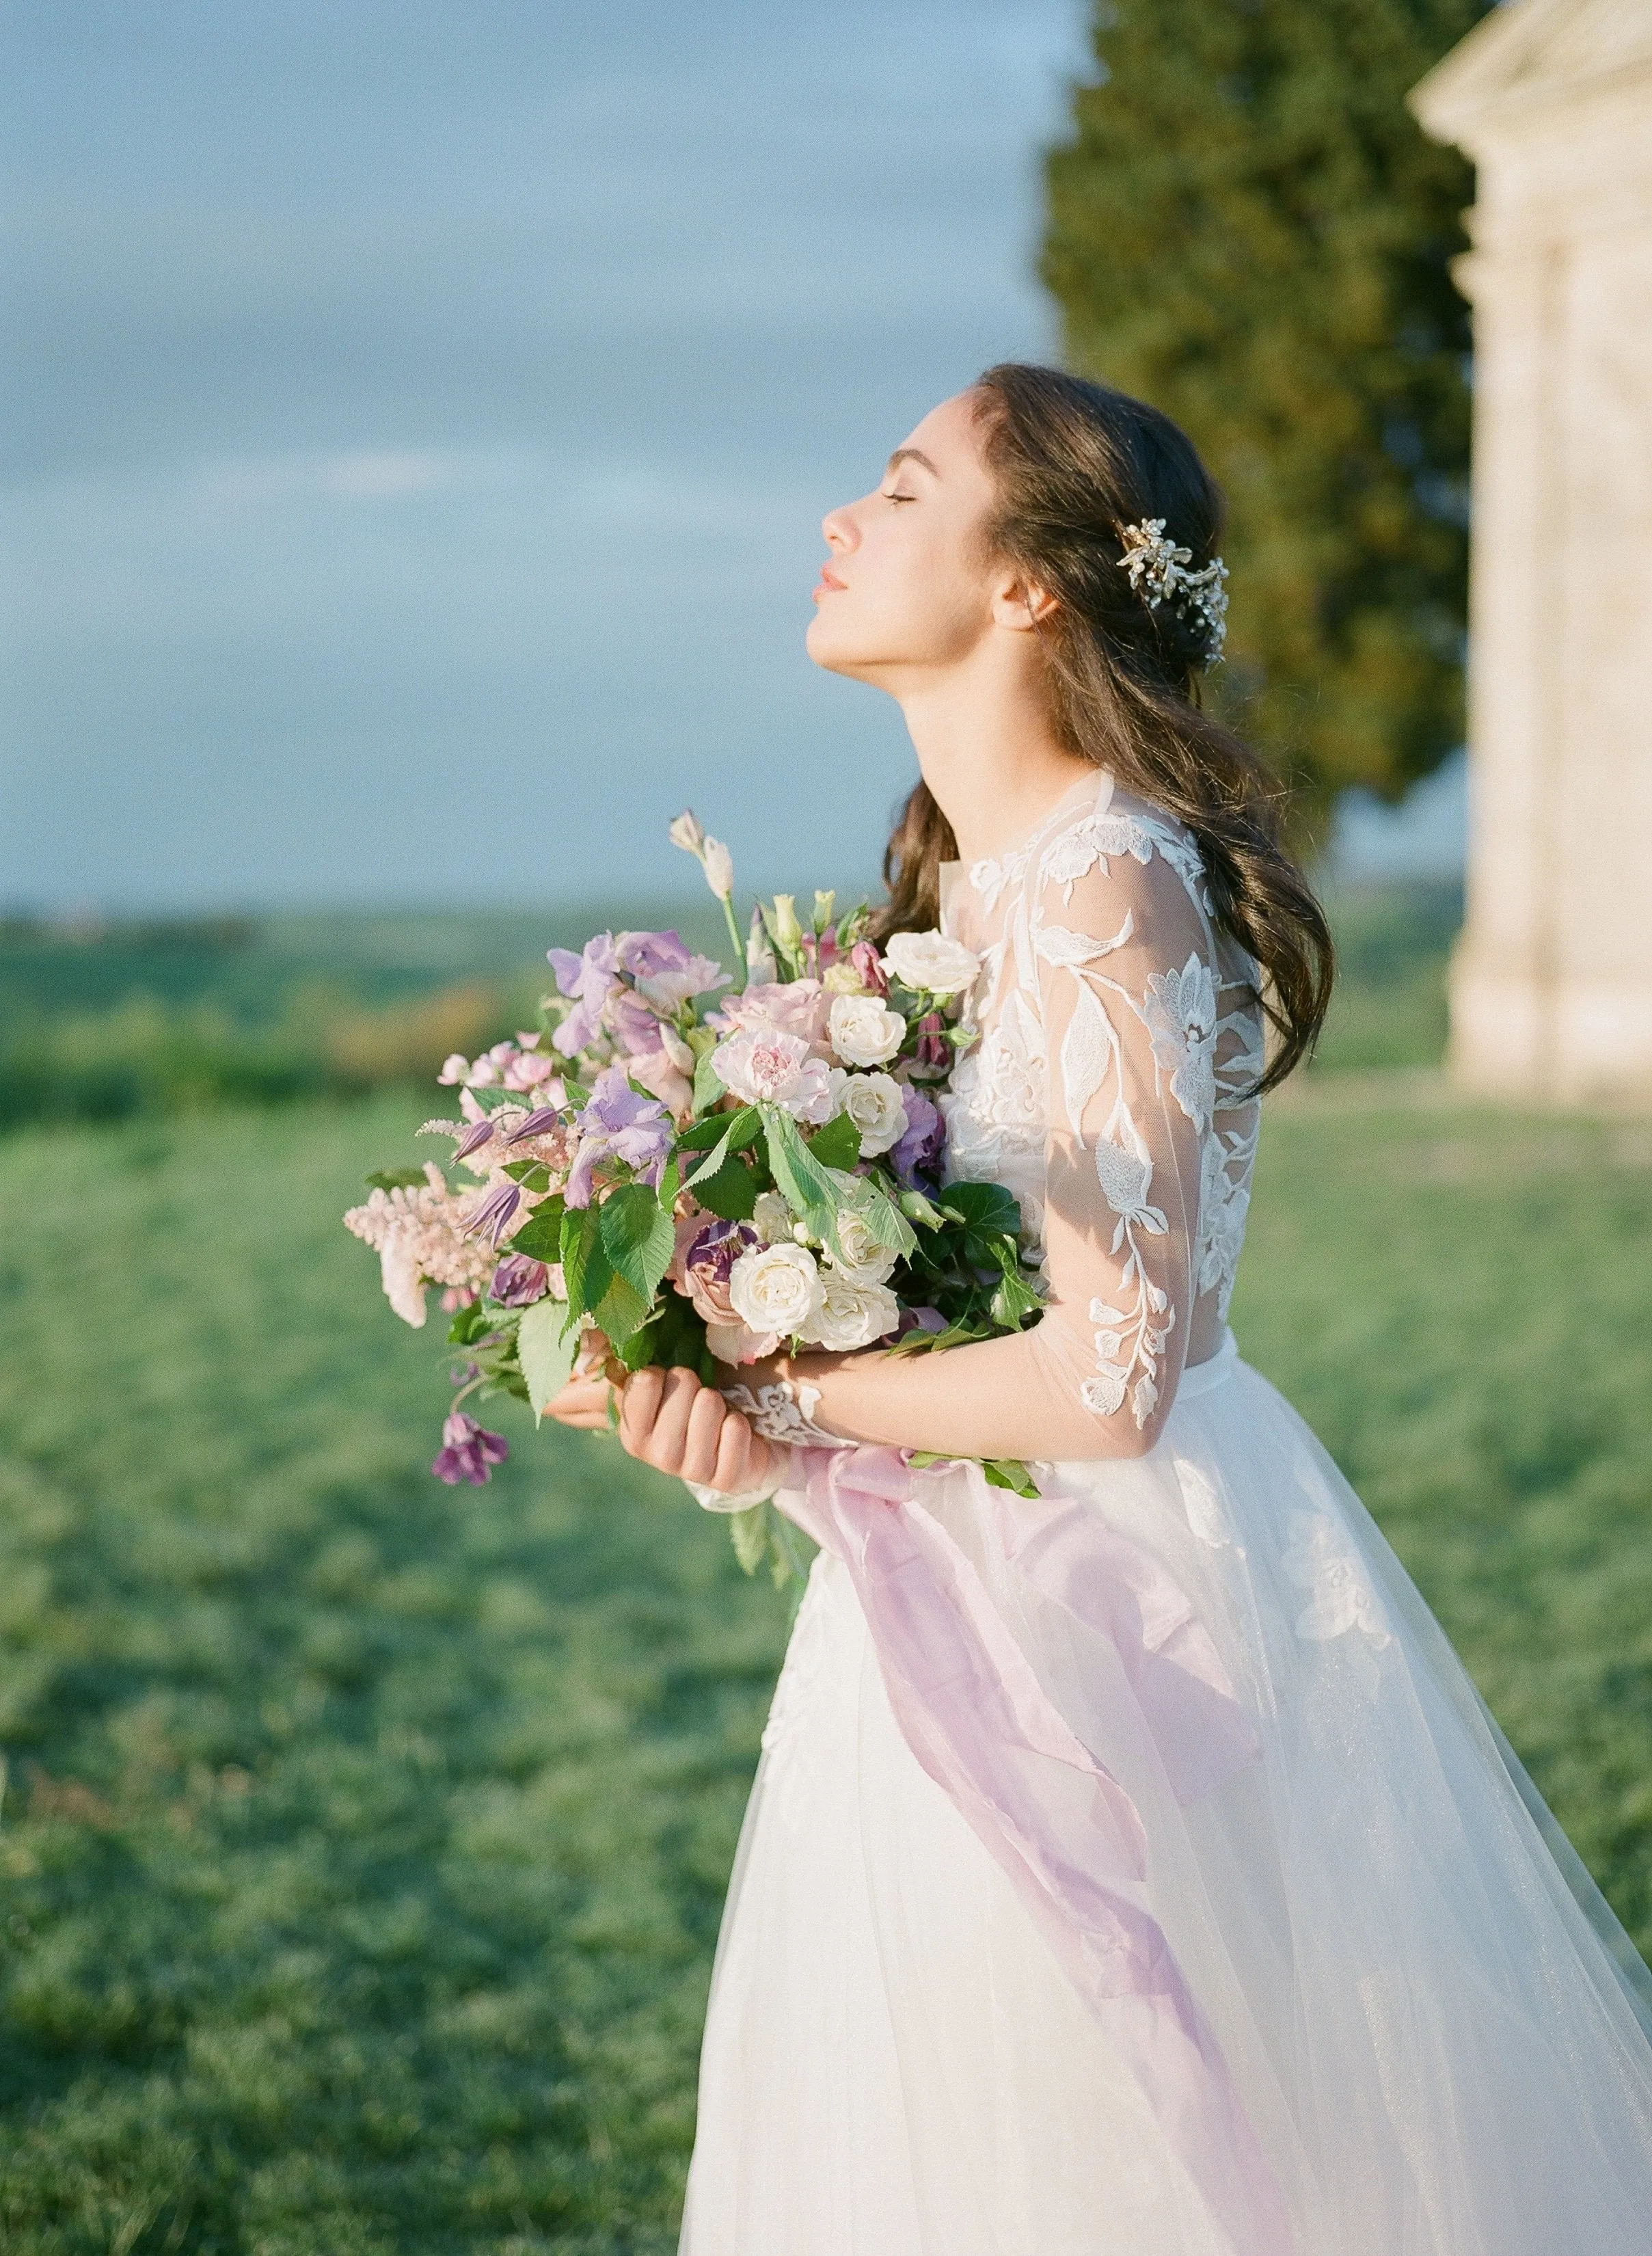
{"points": [[987, 752]]}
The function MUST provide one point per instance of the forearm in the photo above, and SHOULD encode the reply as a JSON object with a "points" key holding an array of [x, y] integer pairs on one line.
{"points": [[1015, 1396]]}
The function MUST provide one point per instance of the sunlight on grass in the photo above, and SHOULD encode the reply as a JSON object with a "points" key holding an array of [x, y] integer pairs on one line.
{"points": [[363, 1843]]}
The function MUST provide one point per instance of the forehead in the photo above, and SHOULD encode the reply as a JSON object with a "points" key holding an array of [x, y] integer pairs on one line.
{"points": [[950, 436]]}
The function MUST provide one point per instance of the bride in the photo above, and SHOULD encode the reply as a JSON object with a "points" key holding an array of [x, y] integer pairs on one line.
{"points": [[1132, 1870]]}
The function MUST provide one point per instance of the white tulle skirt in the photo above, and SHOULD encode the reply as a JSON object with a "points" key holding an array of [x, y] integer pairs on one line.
{"points": [[1432, 2022]]}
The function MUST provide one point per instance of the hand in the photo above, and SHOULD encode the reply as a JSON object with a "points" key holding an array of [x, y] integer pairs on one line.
{"points": [[668, 1420]]}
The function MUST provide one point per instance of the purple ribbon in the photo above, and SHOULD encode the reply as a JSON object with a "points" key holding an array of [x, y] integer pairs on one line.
{"points": [[1046, 1806]]}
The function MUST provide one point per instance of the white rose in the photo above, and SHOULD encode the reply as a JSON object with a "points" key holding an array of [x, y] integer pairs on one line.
{"points": [[864, 1030], [861, 1256], [931, 962], [775, 1288], [873, 1100], [771, 1218], [847, 1314]]}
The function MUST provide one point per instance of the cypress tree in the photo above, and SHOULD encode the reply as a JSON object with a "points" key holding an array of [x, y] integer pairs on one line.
{"points": [[1248, 227]]}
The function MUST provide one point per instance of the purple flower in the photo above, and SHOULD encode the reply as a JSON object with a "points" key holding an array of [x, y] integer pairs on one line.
{"points": [[634, 1027], [494, 1213], [618, 1123], [923, 1142], [592, 976], [665, 973], [867, 961], [519, 1281], [469, 1450]]}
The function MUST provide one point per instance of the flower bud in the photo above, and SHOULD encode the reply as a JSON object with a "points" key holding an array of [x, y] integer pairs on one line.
{"points": [[719, 864], [783, 924], [686, 832]]}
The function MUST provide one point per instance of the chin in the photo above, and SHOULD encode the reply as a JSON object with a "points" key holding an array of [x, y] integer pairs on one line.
{"points": [[834, 651]]}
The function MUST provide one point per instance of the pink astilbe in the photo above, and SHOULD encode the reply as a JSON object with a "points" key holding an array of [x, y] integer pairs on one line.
{"points": [[418, 1234]]}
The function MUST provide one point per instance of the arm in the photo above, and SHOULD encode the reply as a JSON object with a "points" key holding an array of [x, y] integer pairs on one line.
{"points": [[1126, 999]]}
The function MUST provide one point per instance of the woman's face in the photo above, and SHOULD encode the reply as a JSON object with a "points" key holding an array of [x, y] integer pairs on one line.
{"points": [[907, 587]]}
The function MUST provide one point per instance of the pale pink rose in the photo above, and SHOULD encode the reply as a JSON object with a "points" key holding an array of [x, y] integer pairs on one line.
{"points": [[765, 1064], [796, 1006]]}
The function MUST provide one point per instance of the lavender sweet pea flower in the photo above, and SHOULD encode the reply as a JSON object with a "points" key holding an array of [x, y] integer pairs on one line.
{"points": [[633, 1026], [618, 1123], [468, 1452], [923, 1142], [592, 976], [519, 1281], [665, 971]]}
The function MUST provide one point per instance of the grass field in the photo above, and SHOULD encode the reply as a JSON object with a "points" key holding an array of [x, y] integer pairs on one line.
{"points": [[363, 1843]]}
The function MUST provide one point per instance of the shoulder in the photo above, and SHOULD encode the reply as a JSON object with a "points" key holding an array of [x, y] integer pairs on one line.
{"points": [[1117, 841]]}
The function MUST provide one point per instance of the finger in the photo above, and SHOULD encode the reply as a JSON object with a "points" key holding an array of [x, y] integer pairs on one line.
{"points": [[665, 1447], [582, 1402], [742, 1460], [705, 1419], [638, 1404]]}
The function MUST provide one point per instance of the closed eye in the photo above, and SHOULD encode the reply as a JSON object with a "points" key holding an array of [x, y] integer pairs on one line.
{"points": [[900, 496]]}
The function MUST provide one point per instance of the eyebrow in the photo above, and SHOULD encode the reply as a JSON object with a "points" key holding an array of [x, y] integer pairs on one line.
{"points": [[911, 454]]}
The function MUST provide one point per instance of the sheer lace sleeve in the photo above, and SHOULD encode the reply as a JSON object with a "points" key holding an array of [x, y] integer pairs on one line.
{"points": [[1109, 1091], [1128, 1006]]}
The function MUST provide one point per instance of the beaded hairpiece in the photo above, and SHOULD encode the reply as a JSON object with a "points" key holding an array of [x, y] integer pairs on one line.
{"points": [[1159, 574]]}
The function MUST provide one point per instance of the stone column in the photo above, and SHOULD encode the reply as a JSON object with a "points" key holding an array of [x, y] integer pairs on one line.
{"points": [[1551, 985]]}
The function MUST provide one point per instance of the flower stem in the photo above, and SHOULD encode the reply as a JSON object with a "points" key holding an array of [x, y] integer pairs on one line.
{"points": [[737, 939]]}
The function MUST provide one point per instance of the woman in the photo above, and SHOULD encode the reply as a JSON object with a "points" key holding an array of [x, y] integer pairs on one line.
{"points": [[1132, 1869]]}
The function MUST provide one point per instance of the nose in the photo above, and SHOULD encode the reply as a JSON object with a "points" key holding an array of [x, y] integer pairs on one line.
{"points": [[838, 528]]}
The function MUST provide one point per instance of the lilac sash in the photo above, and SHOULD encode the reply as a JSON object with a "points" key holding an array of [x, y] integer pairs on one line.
{"points": [[1044, 1805]]}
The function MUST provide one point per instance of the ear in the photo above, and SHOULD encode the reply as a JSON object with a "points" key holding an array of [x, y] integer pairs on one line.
{"points": [[1020, 605]]}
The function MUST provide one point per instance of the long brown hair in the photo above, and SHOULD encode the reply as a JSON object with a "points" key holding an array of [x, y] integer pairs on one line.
{"points": [[1074, 463]]}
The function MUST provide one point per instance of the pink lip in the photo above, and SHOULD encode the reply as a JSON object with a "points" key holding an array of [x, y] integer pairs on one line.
{"points": [[828, 584]]}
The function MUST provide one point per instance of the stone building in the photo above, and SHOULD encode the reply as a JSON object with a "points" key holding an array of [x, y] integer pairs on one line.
{"points": [[1551, 987]]}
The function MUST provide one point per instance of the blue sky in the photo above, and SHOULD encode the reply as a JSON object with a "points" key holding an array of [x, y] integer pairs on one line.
{"points": [[419, 417]]}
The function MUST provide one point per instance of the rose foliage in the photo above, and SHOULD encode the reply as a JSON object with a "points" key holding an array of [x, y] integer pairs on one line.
{"points": [[684, 1166]]}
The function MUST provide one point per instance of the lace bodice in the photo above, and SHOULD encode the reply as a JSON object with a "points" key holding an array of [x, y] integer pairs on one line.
{"points": [[1120, 1036]]}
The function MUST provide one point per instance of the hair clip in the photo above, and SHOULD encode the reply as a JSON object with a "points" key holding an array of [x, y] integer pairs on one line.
{"points": [[1158, 573]]}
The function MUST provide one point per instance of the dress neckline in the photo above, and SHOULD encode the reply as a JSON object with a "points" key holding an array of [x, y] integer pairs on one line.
{"points": [[1007, 861]]}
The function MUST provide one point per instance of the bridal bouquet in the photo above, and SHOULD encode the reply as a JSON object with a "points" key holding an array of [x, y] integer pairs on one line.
{"points": [[686, 1166]]}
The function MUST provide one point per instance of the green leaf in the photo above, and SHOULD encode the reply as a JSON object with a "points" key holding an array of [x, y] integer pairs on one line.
{"points": [[586, 1269], [396, 1179], [546, 1355], [708, 1090], [621, 1310], [1010, 1473], [837, 1144], [986, 1207], [731, 1193], [638, 1237], [804, 1183], [749, 1532], [540, 1236], [469, 1325]]}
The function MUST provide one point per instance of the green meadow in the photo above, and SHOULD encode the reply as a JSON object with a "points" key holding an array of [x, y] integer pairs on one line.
{"points": [[364, 1842]]}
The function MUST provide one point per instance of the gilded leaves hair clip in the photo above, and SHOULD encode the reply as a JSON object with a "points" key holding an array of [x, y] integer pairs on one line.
{"points": [[1158, 573]]}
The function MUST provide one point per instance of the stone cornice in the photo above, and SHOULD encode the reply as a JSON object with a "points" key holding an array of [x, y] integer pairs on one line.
{"points": [[1530, 61]]}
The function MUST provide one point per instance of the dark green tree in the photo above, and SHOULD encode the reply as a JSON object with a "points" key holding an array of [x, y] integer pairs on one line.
{"points": [[1248, 228]]}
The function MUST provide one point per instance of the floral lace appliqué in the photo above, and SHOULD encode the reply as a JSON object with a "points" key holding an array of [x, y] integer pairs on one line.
{"points": [[781, 1411], [1322, 1560]]}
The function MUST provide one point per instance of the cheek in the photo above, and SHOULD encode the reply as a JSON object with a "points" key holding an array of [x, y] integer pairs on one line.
{"points": [[910, 599]]}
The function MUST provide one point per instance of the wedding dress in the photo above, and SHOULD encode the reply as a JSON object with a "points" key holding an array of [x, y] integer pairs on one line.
{"points": [[1135, 1871]]}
